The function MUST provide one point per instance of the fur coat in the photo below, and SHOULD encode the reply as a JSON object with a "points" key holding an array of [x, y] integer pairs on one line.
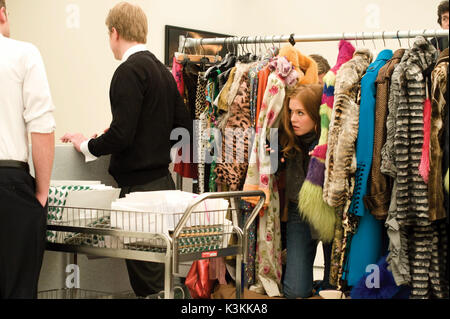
{"points": [[311, 204], [305, 66], [418, 258], [438, 103], [340, 163], [412, 194]]}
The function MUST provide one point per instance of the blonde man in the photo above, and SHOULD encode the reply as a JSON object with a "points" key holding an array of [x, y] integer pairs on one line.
{"points": [[322, 66], [25, 107], [145, 106]]}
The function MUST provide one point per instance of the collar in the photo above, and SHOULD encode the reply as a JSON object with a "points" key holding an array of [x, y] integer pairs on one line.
{"points": [[308, 138], [134, 49], [385, 55], [443, 56]]}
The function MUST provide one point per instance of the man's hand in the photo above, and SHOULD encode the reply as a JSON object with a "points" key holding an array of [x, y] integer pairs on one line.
{"points": [[42, 198], [96, 135], [43, 152], [76, 139]]}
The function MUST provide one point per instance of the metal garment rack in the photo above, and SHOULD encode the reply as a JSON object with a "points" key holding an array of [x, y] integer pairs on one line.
{"points": [[185, 42]]}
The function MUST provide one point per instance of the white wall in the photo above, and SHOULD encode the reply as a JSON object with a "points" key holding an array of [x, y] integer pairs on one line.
{"points": [[80, 65]]}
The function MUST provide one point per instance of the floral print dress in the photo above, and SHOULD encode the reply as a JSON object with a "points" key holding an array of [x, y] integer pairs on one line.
{"points": [[261, 176]]}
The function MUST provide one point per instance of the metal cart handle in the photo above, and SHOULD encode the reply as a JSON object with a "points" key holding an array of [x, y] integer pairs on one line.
{"points": [[250, 220], [222, 195]]}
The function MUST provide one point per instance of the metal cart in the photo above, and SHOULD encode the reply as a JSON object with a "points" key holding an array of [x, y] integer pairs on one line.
{"points": [[195, 234]]}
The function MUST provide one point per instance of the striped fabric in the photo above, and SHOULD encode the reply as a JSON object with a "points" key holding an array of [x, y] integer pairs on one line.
{"points": [[311, 204], [427, 241], [412, 191]]}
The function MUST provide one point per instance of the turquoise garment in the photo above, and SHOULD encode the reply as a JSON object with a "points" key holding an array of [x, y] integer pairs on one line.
{"points": [[364, 143], [366, 245]]}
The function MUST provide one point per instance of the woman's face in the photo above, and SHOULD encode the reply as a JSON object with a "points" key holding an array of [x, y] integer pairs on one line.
{"points": [[300, 120]]}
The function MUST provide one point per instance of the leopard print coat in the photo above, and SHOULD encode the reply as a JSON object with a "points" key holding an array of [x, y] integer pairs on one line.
{"points": [[235, 138]]}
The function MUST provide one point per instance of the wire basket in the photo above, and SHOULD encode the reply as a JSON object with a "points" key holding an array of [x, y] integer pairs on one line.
{"points": [[73, 293]]}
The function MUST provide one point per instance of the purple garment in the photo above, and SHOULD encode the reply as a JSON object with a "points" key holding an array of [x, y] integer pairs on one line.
{"points": [[316, 171]]}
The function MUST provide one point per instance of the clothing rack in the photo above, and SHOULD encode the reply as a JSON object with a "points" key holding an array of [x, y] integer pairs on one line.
{"points": [[185, 42]]}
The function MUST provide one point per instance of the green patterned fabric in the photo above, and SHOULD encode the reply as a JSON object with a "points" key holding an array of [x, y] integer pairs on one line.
{"points": [[91, 240], [57, 196], [199, 239]]}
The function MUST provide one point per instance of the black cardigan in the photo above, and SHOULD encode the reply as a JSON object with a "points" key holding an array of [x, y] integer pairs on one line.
{"points": [[145, 106]]}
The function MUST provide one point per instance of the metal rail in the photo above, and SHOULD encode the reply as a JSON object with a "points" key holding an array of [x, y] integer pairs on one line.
{"points": [[432, 33]]}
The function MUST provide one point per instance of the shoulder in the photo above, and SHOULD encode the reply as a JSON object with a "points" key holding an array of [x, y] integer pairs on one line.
{"points": [[20, 49], [141, 64], [142, 58]]}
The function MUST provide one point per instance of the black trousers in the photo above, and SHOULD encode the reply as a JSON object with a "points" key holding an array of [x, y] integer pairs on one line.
{"points": [[23, 224], [147, 278]]}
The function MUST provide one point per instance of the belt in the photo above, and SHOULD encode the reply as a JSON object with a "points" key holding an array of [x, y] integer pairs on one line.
{"points": [[15, 164]]}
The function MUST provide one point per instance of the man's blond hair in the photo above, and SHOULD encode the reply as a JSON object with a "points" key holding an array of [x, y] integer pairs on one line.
{"points": [[2, 4], [130, 22]]}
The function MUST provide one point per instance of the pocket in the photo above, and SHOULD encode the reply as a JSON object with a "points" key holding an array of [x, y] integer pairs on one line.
{"points": [[26, 193]]}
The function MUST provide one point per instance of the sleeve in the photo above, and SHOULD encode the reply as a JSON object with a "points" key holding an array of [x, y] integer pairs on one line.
{"points": [[87, 154], [38, 104], [127, 94], [182, 118]]}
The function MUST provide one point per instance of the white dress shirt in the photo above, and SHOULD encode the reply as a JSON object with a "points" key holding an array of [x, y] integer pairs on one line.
{"points": [[84, 146], [25, 102]]}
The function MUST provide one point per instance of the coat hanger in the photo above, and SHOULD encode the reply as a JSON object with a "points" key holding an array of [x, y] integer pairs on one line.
{"points": [[228, 54], [254, 57], [240, 48], [399, 42], [373, 41], [279, 42], [183, 57], [231, 60], [248, 50], [409, 44], [437, 40], [245, 57], [384, 42], [228, 62]]}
